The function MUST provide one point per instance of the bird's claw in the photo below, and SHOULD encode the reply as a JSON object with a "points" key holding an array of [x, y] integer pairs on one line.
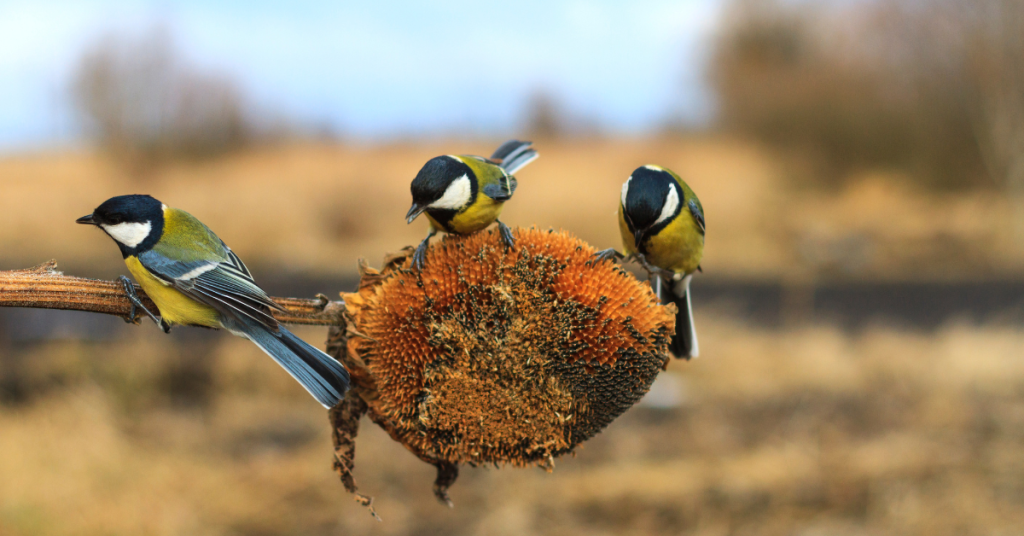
{"points": [[506, 236], [609, 254], [420, 255], [129, 289], [133, 298]]}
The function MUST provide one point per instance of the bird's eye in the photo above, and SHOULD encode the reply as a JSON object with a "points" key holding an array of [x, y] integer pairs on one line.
{"points": [[115, 219]]}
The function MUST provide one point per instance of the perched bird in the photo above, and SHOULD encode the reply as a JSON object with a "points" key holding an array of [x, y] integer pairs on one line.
{"points": [[195, 280], [662, 226], [463, 194]]}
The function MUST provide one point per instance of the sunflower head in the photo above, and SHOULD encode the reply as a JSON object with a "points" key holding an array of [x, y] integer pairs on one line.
{"points": [[495, 356]]}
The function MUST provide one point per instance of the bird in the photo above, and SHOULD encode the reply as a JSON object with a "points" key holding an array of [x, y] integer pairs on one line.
{"points": [[463, 194], [662, 226], [196, 280]]}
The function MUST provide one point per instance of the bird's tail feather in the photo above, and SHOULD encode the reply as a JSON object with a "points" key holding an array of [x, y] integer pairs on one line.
{"points": [[514, 154], [324, 377], [684, 342]]}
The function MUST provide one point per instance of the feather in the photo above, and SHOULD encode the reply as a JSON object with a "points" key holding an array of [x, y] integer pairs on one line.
{"points": [[684, 342], [226, 286], [514, 154], [320, 374]]}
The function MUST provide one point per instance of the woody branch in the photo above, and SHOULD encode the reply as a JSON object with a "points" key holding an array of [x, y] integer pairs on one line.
{"points": [[43, 287]]}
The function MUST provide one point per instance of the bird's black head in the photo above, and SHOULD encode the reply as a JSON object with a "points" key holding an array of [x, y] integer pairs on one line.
{"points": [[651, 197], [135, 222], [444, 184]]}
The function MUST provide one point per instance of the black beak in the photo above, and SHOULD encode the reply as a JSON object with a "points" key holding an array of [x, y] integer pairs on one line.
{"points": [[415, 211], [638, 237], [86, 220]]}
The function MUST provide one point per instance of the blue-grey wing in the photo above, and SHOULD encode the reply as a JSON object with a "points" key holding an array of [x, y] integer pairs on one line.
{"points": [[503, 189], [698, 214], [226, 286], [170, 270], [236, 262]]}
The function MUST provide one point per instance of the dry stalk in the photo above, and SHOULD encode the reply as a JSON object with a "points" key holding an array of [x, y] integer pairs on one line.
{"points": [[43, 287]]}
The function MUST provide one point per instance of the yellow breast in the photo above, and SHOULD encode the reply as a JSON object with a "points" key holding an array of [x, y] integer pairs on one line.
{"points": [[627, 235], [476, 217], [175, 307], [677, 248]]}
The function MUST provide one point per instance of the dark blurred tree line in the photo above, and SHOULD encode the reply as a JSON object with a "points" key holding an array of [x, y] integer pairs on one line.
{"points": [[145, 103], [931, 87]]}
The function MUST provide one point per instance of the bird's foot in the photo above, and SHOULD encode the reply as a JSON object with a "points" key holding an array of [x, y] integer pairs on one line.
{"points": [[506, 236], [133, 298], [610, 254], [420, 255]]}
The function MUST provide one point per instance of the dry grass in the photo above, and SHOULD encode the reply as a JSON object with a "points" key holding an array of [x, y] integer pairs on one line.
{"points": [[318, 208], [809, 431]]}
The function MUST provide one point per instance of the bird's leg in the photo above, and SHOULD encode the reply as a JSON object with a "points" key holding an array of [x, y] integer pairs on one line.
{"points": [[506, 236], [420, 256], [129, 289], [133, 297], [651, 270], [610, 254], [659, 275]]}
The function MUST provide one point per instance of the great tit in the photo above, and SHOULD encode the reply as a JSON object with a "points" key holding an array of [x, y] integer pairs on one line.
{"points": [[196, 280], [463, 194], [662, 226]]}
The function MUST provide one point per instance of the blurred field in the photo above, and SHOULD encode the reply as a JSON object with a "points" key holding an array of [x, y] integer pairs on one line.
{"points": [[317, 208], [861, 169], [807, 431]]}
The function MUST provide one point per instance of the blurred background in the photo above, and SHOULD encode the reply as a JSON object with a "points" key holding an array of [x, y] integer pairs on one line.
{"points": [[861, 167]]}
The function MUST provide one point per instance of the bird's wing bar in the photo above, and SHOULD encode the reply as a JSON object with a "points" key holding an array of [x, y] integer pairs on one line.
{"points": [[225, 286]]}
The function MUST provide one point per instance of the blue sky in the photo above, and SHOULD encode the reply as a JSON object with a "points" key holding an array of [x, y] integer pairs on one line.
{"points": [[381, 69]]}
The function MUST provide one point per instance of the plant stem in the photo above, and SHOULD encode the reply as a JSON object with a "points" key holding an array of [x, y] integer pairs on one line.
{"points": [[43, 287]]}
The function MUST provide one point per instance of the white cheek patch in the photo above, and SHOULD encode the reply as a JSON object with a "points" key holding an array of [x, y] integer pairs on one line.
{"points": [[625, 190], [456, 195], [129, 234], [670, 206]]}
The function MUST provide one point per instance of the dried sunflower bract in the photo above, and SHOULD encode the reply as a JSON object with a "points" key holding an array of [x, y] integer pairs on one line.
{"points": [[487, 356]]}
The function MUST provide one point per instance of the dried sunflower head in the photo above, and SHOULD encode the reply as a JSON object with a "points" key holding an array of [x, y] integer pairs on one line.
{"points": [[495, 356]]}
